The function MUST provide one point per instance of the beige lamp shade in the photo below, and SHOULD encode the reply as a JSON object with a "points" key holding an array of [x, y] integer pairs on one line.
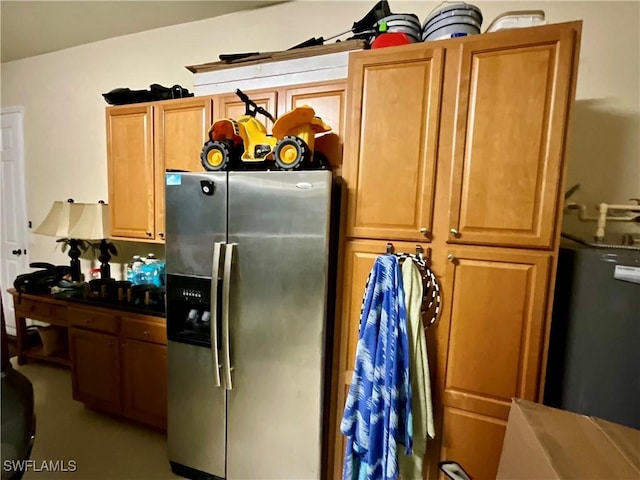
{"points": [[61, 219], [93, 223]]}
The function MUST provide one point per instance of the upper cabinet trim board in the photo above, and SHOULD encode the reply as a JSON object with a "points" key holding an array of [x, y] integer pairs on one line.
{"points": [[531, 165], [273, 75]]}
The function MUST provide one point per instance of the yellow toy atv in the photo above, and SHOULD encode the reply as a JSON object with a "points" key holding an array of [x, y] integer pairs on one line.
{"points": [[245, 142]]}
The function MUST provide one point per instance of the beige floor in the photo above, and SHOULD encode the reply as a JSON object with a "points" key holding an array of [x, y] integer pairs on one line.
{"points": [[103, 448]]}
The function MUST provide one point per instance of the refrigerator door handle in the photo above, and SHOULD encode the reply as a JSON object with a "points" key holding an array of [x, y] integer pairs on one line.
{"points": [[226, 293], [213, 323]]}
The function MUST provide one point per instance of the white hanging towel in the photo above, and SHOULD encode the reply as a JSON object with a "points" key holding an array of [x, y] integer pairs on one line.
{"points": [[411, 466]]}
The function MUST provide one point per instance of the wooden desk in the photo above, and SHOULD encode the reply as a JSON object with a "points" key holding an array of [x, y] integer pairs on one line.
{"points": [[118, 359], [44, 308]]}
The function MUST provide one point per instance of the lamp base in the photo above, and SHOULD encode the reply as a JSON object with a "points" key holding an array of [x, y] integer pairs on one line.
{"points": [[74, 253], [105, 268]]}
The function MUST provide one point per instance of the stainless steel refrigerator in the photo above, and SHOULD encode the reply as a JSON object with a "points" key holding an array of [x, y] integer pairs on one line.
{"points": [[248, 270]]}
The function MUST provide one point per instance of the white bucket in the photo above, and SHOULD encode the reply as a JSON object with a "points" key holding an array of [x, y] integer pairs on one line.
{"points": [[456, 19]]}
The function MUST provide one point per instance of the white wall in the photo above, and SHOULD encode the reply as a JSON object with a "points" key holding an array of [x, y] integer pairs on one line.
{"points": [[64, 111]]}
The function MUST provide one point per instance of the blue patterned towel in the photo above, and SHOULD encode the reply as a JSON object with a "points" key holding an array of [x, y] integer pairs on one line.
{"points": [[377, 414]]}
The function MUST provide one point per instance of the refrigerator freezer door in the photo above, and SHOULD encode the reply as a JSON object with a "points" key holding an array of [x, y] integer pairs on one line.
{"points": [[196, 218], [196, 410], [280, 222]]}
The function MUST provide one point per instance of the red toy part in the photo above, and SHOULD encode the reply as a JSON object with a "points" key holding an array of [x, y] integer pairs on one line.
{"points": [[391, 39], [225, 129]]}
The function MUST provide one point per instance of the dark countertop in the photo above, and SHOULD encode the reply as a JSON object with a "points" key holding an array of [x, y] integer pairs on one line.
{"points": [[154, 310]]}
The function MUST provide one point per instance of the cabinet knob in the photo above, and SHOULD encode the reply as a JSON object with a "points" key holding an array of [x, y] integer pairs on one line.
{"points": [[455, 232], [424, 230], [451, 257], [17, 252], [148, 234], [161, 234]]}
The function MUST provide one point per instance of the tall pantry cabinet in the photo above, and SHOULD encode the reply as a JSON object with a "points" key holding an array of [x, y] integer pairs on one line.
{"points": [[458, 146]]}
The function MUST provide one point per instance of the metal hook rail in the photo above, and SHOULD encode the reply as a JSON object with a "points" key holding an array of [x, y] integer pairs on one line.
{"points": [[430, 287]]}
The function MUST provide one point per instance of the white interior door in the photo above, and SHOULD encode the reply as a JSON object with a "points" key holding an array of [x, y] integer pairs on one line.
{"points": [[13, 208]]}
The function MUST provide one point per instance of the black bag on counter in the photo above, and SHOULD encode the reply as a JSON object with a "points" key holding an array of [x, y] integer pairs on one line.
{"points": [[123, 96], [41, 281]]}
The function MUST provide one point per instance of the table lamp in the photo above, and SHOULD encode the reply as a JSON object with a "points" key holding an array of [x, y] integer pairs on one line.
{"points": [[59, 222], [93, 224]]}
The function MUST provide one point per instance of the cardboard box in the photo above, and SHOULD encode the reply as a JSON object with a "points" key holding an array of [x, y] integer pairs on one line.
{"points": [[547, 443]]}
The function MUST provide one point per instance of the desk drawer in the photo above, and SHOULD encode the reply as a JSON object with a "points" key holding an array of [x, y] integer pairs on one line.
{"points": [[149, 332], [93, 319], [34, 310]]}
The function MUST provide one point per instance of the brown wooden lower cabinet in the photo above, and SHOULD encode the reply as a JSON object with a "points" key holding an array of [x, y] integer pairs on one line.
{"points": [[119, 363], [144, 369], [359, 257], [487, 346], [95, 369], [496, 304], [495, 308], [474, 441]]}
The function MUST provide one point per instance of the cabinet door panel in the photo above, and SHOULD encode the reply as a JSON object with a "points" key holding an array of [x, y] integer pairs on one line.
{"points": [[230, 106], [131, 172], [145, 382], [96, 367], [359, 257], [474, 441], [389, 167], [328, 101], [181, 128], [497, 311], [513, 101]]}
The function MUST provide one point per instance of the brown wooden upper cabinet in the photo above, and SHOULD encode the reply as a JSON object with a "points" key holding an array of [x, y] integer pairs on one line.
{"points": [[390, 148], [329, 102], [181, 130], [142, 141], [131, 171], [514, 92]]}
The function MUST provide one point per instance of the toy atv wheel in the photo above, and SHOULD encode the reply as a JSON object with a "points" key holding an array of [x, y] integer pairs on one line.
{"points": [[291, 152], [215, 155]]}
